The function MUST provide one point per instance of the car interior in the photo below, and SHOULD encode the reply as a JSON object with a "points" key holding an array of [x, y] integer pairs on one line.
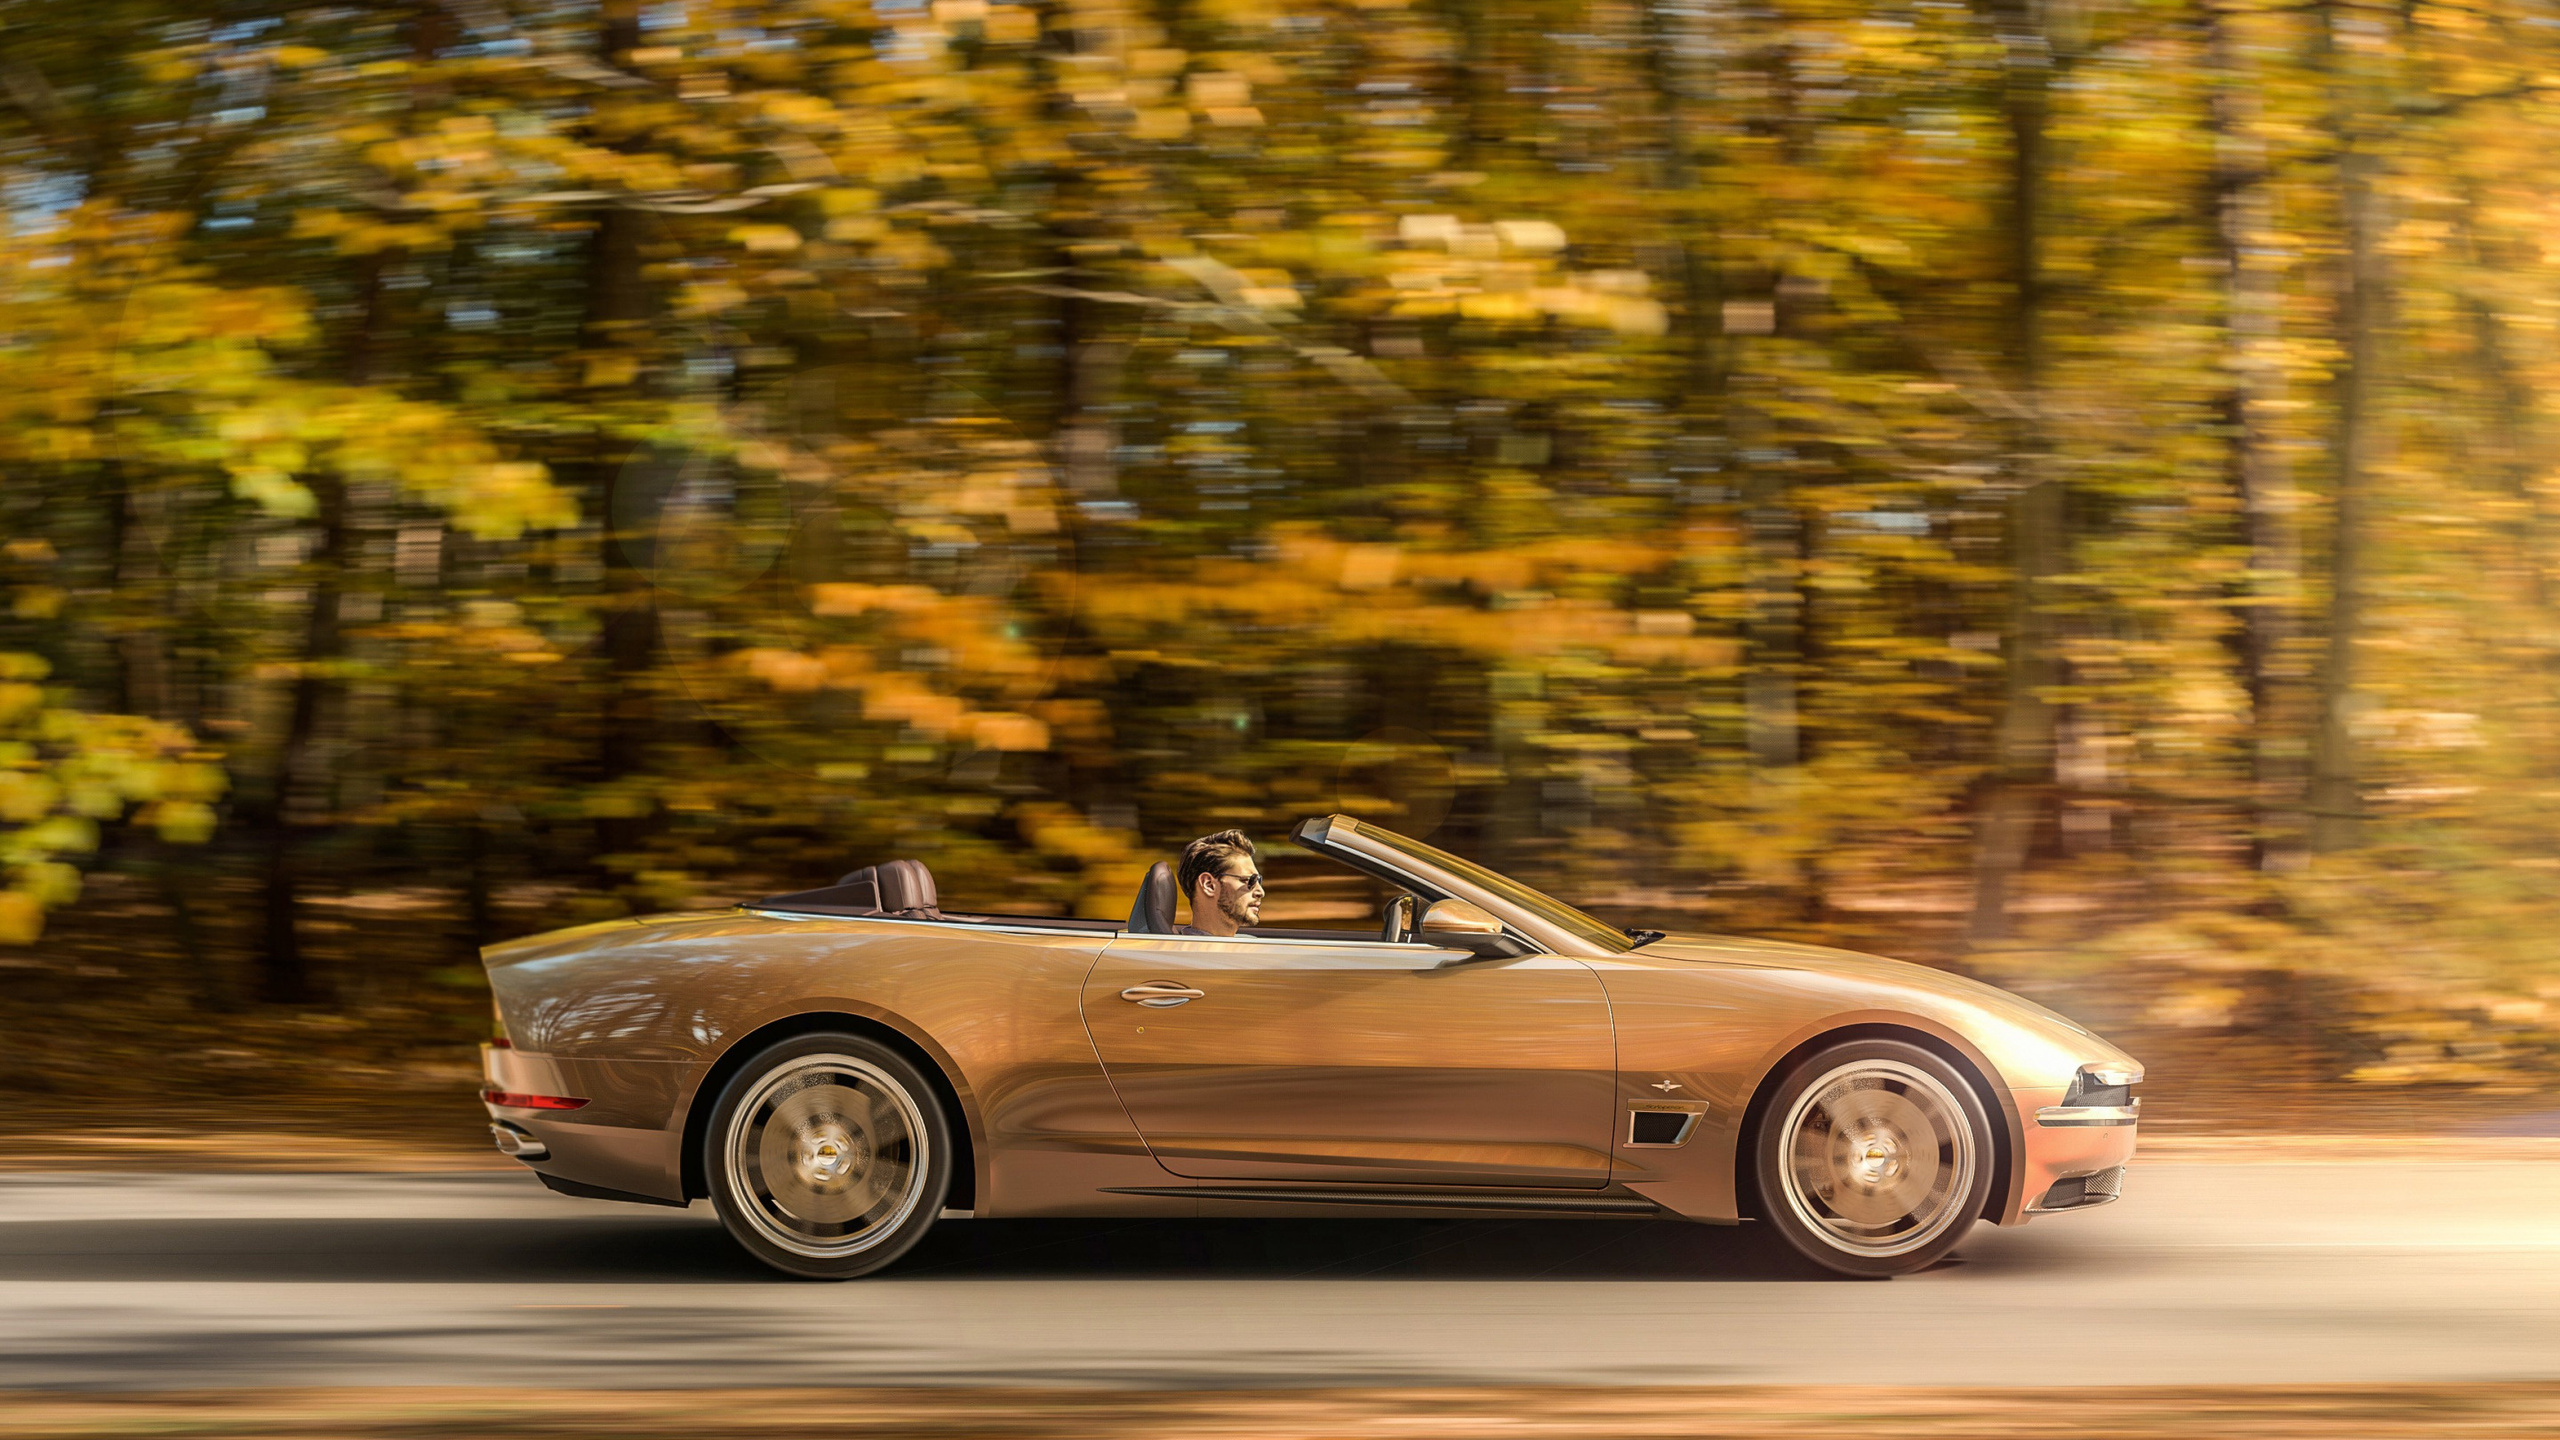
{"points": [[1318, 887]]}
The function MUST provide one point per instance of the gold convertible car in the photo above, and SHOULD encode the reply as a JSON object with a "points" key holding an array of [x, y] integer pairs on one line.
{"points": [[839, 1068]]}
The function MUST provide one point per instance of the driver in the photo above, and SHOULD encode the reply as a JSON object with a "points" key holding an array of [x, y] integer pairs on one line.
{"points": [[1225, 886]]}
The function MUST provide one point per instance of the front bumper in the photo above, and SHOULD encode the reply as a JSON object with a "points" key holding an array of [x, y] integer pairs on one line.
{"points": [[2059, 1160], [2081, 1192], [2076, 1151]]}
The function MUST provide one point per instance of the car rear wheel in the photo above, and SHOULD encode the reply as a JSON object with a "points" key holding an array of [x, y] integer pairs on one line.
{"points": [[1873, 1158], [827, 1156]]}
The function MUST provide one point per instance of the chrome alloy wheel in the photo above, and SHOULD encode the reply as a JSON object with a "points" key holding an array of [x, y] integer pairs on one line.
{"points": [[1878, 1160], [827, 1156]]}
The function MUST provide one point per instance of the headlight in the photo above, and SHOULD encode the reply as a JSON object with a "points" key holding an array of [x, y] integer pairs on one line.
{"points": [[2102, 1085]]}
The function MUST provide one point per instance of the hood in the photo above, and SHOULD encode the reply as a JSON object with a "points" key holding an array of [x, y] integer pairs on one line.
{"points": [[2033, 1039]]}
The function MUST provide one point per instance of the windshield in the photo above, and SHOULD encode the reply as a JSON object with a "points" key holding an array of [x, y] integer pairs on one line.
{"points": [[1546, 907]]}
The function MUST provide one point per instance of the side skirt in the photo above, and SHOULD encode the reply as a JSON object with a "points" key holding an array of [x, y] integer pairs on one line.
{"points": [[1403, 1199]]}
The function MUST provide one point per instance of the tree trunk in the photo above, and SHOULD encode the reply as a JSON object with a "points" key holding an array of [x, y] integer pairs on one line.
{"points": [[284, 977], [216, 988], [1683, 87], [479, 905], [2037, 539], [1480, 83], [2517, 441], [141, 687], [1088, 379], [2270, 598], [2334, 797], [142, 647], [1677, 174], [617, 314], [299, 799]]}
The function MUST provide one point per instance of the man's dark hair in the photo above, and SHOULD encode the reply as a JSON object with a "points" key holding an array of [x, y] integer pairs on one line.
{"points": [[1209, 855]]}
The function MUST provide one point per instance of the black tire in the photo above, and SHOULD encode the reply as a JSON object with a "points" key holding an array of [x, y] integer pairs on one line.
{"points": [[1873, 1158], [827, 1155]]}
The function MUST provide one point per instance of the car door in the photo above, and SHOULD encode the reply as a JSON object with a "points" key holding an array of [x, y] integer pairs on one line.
{"points": [[1258, 1058]]}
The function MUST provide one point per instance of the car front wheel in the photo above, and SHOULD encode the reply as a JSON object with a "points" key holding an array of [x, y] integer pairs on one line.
{"points": [[1873, 1158], [827, 1156]]}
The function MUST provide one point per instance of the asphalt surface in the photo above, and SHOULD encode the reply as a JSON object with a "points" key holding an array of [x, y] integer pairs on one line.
{"points": [[2206, 1274]]}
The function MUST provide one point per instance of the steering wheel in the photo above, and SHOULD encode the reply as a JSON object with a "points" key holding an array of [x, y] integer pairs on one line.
{"points": [[1401, 918]]}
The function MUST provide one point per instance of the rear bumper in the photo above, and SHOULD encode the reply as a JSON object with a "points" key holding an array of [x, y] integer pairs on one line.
{"points": [[624, 1140]]}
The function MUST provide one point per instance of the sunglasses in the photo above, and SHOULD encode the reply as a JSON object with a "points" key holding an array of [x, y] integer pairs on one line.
{"points": [[1250, 880]]}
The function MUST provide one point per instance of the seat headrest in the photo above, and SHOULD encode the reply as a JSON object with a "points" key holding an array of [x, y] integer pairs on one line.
{"points": [[854, 889], [906, 885], [1153, 914], [892, 887]]}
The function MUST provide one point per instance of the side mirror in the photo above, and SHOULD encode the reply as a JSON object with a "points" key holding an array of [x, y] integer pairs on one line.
{"points": [[1456, 919], [1458, 925]]}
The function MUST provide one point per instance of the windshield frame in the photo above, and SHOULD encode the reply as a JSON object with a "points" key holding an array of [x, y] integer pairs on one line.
{"points": [[1550, 919]]}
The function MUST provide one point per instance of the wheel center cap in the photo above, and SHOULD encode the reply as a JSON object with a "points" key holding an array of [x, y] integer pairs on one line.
{"points": [[1875, 1158], [829, 1154]]}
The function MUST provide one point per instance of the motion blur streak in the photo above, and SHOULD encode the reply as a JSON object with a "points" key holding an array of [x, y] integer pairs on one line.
{"points": [[2060, 491], [2407, 1271]]}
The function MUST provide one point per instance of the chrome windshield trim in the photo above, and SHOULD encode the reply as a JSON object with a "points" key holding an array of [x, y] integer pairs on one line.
{"points": [[1347, 844], [2090, 1114]]}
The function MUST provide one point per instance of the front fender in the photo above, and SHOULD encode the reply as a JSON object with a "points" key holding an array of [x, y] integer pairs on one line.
{"points": [[1716, 1033]]}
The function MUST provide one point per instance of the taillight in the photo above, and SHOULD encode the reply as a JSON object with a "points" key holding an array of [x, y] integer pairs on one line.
{"points": [[516, 1101]]}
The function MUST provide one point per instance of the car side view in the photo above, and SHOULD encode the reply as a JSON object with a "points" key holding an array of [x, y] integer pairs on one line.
{"points": [[838, 1069]]}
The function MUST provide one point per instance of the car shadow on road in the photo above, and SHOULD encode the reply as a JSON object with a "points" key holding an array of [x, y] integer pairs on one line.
{"points": [[662, 1247], [692, 1249], [1351, 1249]]}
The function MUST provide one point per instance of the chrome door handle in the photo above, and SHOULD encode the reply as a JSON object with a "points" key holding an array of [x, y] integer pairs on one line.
{"points": [[1161, 994]]}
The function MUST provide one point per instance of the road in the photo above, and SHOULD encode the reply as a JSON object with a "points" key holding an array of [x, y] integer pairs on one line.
{"points": [[2208, 1273]]}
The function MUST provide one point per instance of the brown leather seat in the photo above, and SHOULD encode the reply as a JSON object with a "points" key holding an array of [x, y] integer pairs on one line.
{"points": [[1153, 914]]}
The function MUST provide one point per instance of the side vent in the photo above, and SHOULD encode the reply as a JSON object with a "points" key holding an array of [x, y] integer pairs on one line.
{"points": [[1661, 1127]]}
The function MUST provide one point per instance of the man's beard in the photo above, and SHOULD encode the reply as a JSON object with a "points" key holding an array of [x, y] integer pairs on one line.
{"points": [[1237, 907]]}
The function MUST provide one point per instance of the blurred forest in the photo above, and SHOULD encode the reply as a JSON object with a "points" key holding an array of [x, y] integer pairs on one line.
{"points": [[2063, 488]]}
